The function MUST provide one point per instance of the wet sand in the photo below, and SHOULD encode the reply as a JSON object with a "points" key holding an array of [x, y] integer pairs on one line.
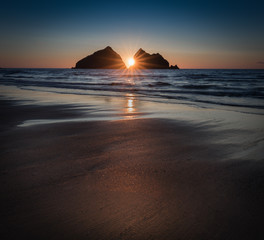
{"points": [[127, 179]]}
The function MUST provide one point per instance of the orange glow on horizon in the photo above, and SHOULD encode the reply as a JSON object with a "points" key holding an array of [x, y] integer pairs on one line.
{"points": [[131, 62], [184, 59]]}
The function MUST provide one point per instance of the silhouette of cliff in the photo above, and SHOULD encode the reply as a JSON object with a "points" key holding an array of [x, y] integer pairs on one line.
{"points": [[174, 67], [103, 59], [144, 60]]}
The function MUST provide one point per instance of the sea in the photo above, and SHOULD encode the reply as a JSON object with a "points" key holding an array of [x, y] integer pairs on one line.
{"points": [[223, 99], [236, 88]]}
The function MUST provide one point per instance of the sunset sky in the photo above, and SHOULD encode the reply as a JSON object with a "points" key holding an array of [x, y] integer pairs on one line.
{"points": [[190, 33]]}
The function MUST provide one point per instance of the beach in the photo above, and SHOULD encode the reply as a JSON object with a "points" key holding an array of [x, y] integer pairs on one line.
{"points": [[139, 120], [129, 178]]}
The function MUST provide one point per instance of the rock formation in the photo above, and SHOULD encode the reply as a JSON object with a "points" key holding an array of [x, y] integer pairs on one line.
{"points": [[103, 59], [108, 59], [174, 67], [144, 60]]}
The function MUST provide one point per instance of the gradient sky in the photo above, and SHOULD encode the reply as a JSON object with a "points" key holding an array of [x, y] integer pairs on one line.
{"points": [[190, 33]]}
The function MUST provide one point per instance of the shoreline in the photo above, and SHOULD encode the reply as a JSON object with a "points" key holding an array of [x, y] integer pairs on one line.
{"points": [[126, 179]]}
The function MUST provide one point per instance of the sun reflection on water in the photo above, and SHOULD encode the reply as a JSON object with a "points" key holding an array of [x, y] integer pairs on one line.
{"points": [[130, 103], [130, 108]]}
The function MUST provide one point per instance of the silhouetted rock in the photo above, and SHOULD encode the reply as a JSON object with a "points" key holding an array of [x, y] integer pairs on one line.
{"points": [[103, 59], [144, 60], [174, 67]]}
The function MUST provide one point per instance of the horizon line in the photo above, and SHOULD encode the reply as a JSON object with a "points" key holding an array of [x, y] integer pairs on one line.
{"points": [[2, 68]]}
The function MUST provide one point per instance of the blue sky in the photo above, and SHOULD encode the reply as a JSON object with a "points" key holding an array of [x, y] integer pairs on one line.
{"points": [[192, 34]]}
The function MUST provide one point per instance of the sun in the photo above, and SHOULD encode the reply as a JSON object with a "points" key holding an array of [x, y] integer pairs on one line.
{"points": [[131, 62]]}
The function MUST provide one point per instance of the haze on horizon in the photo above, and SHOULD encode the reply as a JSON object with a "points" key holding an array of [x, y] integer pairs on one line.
{"points": [[192, 34]]}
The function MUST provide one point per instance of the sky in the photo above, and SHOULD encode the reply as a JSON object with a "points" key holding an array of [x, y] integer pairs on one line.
{"points": [[190, 33]]}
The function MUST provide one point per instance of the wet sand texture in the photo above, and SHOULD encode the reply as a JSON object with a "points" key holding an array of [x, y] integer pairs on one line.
{"points": [[134, 179]]}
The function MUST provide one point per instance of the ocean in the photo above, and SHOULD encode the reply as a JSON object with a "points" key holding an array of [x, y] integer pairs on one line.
{"points": [[241, 89]]}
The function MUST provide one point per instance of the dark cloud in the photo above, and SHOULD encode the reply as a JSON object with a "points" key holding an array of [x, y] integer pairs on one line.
{"points": [[260, 62]]}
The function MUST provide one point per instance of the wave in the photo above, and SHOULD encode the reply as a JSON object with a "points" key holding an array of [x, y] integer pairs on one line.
{"points": [[192, 86], [206, 90], [186, 99], [159, 84]]}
